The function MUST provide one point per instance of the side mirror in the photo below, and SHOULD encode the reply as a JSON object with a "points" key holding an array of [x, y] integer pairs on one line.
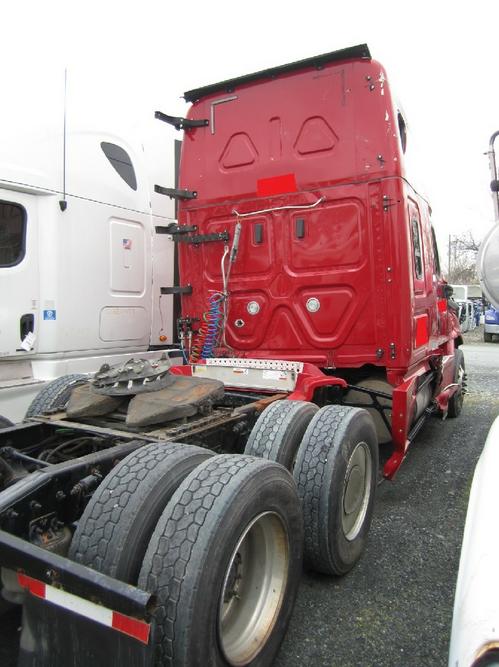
{"points": [[494, 186], [448, 291]]}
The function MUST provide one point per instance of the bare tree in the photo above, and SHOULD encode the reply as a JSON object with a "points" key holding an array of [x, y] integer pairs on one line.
{"points": [[463, 249]]}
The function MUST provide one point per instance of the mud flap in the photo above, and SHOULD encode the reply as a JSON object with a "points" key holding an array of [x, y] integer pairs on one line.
{"points": [[52, 636]]}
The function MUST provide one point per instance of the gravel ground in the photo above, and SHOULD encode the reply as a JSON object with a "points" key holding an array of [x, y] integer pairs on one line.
{"points": [[395, 608]]}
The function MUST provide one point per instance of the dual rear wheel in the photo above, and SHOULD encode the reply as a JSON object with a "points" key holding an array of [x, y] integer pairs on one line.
{"points": [[217, 539], [333, 455]]}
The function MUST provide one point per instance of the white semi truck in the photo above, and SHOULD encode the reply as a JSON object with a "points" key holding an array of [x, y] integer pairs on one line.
{"points": [[81, 264]]}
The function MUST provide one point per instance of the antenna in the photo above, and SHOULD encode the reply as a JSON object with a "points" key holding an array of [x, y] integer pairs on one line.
{"points": [[63, 203]]}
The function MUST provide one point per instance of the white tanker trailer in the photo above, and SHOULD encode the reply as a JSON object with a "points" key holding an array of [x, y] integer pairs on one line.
{"points": [[475, 625]]}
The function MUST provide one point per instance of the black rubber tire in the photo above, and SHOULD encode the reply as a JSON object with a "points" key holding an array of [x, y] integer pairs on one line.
{"points": [[321, 469], [55, 394], [279, 430], [4, 422], [117, 523], [190, 552], [455, 404], [487, 337]]}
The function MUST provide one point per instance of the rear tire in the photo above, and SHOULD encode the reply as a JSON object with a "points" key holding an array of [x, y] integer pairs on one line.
{"points": [[336, 471], [225, 563], [487, 337], [279, 430], [55, 394], [117, 524], [455, 404]]}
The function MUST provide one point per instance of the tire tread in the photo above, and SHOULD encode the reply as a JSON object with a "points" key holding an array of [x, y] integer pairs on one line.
{"points": [[275, 425], [310, 472], [120, 497], [321, 456], [182, 538], [55, 394]]}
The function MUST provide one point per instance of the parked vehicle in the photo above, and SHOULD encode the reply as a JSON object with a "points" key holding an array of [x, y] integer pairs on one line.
{"points": [[469, 298], [467, 292], [491, 324], [77, 240], [466, 315], [161, 517]]}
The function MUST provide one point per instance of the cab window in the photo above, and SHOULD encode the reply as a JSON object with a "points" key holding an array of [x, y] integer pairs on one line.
{"points": [[418, 249], [436, 259], [402, 131], [12, 234]]}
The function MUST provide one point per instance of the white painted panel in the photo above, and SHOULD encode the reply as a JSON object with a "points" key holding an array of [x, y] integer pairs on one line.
{"points": [[123, 324], [163, 249], [127, 257]]}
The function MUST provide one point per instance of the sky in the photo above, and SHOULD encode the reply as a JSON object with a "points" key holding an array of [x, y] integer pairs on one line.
{"points": [[128, 59]]}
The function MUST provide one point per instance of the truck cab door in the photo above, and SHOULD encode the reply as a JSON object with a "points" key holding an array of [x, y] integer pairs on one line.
{"points": [[19, 273]]}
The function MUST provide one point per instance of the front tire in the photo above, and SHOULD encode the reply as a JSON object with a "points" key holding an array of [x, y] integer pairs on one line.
{"points": [[487, 337], [225, 563], [336, 472], [455, 404]]}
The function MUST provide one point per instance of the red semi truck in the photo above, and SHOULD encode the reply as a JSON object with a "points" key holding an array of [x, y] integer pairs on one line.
{"points": [[160, 517]]}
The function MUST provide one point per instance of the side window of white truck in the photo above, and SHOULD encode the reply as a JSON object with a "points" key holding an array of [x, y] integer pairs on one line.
{"points": [[12, 233], [121, 161]]}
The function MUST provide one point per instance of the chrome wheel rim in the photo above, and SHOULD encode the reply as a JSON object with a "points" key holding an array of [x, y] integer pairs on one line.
{"points": [[253, 588], [356, 490]]}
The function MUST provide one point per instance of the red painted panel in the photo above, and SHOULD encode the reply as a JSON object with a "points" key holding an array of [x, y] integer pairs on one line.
{"points": [[328, 258], [284, 332], [336, 306], [332, 237], [316, 136], [251, 330], [324, 127], [238, 152], [253, 259]]}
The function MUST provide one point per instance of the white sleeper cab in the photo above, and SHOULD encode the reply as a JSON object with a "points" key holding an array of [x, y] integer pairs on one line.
{"points": [[81, 265]]}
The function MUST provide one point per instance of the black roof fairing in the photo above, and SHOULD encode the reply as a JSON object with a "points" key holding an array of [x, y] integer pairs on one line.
{"points": [[361, 51]]}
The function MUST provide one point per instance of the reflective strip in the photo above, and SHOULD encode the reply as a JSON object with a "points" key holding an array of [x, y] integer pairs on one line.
{"points": [[79, 605], [125, 624], [131, 626], [35, 587], [422, 336]]}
